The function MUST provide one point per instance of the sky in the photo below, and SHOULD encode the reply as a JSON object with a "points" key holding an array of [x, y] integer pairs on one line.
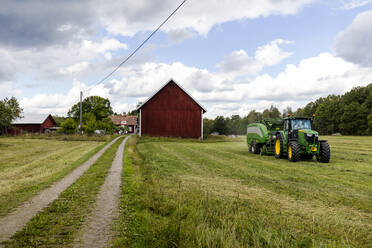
{"points": [[232, 56]]}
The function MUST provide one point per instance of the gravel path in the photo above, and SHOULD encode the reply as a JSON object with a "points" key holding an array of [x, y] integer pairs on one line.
{"points": [[15, 221], [96, 229]]}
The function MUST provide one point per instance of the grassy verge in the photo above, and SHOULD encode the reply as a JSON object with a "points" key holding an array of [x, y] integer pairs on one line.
{"points": [[198, 194], [28, 166], [56, 225]]}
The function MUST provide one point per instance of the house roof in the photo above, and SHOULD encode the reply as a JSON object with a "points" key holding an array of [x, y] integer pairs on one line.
{"points": [[171, 80], [130, 119], [32, 119]]}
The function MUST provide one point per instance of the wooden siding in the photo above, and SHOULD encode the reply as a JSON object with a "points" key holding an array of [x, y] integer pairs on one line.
{"points": [[32, 128], [171, 113]]}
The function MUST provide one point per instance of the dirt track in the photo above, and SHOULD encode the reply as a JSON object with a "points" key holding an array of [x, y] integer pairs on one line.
{"points": [[96, 229], [15, 221]]}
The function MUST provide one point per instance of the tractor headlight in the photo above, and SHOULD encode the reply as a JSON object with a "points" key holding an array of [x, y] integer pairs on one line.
{"points": [[309, 135]]}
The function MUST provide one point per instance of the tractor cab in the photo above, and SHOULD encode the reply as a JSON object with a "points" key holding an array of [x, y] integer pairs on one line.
{"points": [[293, 125]]}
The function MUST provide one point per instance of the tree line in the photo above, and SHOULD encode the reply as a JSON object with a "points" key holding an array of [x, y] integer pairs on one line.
{"points": [[348, 114]]}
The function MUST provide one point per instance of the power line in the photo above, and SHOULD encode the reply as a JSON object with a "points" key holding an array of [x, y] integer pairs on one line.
{"points": [[143, 43]]}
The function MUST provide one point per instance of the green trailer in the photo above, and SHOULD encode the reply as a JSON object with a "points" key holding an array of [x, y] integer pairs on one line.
{"points": [[290, 137]]}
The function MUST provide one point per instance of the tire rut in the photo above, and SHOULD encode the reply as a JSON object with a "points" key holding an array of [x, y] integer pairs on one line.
{"points": [[15, 221], [96, 229]]}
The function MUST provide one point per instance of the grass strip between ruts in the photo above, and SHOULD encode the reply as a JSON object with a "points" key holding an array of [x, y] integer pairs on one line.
{"points": [[56, 225]]}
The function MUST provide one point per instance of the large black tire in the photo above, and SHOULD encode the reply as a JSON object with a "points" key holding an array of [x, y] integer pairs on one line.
{"points": [[255, 148], [278, 146], [293, 151], [324, 153]]}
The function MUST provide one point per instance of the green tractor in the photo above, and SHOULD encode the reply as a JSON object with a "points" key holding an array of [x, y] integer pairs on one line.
{"points": [[292, 137]]}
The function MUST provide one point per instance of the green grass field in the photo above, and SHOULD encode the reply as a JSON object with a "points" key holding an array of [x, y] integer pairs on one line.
{"points": [[29, 165], [57, 225], [181, 193]]}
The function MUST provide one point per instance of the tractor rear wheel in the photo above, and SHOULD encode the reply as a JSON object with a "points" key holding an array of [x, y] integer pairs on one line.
{"points": [[294, 151], [324, 153], [255, 148], [278, 148]]}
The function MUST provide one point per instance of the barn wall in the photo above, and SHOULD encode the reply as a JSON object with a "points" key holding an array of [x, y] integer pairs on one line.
{"points": [[172, 113], [48, 123], [30, 128]]}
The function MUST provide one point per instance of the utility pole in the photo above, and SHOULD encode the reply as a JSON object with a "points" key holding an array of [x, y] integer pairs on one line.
{"points": [[81, 112]]}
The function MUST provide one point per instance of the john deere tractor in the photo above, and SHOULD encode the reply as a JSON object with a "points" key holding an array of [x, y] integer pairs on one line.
{"points": [[292, 137]]}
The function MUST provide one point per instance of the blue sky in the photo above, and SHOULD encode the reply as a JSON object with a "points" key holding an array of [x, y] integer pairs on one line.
{"points": [[232, 56]]}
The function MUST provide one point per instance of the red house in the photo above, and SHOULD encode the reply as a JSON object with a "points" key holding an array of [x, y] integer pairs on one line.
{"points": [[33, 124], [171, 112], [125, 120]]}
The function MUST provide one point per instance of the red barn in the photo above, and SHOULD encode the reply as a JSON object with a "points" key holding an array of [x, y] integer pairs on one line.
{"points": [[33, 124], [171, 112]]}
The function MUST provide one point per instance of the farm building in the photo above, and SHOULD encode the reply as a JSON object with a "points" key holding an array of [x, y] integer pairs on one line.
{"points": [[171, 112], [33, 124], [125, 120]]}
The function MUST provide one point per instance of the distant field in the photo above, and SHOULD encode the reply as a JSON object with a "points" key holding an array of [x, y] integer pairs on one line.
{"points": [[180, 193], [29, 165]]}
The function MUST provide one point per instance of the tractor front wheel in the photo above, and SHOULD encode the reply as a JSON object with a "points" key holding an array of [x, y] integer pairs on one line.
{"points": [[294, 151], [278, 148], [324, 153]]}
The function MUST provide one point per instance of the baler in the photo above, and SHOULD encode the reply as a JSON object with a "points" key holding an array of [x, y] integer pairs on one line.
{"points": [[292, 137]]}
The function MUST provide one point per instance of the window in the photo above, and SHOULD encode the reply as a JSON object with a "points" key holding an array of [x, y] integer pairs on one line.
{"points": [[123, 122], [301, 124]]}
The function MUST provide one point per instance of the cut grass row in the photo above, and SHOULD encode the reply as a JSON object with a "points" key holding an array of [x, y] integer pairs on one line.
{"points": [[28, 166], [56, 225], [178, 193]]}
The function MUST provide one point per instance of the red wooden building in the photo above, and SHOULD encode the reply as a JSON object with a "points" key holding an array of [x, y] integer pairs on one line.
{"points": [[33, 124], [125, 120], [171, 112]]}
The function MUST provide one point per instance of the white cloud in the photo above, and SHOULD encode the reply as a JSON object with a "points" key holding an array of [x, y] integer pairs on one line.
{"points": [[129, 17], [57, 60], [76, 68], [312, 78], [352, 4], [238, 62], [354, 44]]}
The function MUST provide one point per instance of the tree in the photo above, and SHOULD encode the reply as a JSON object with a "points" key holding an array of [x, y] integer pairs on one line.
{"points": [[220, 125], [98, 106], [135, 112], [69, 126], [369, 119], [9, 111], [59, 120], [354, 120], [273, 112], [207, 127]]}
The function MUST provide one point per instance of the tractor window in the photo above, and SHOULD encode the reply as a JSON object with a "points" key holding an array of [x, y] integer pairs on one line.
{"points": [[301, 124], [286, 125]]}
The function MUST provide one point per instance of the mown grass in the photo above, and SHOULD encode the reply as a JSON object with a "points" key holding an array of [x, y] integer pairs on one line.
{"points": [[30, 165], [56, 225], [65, 137], [178, 193]]}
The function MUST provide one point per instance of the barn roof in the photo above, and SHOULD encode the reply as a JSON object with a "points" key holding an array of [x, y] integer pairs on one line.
{"points": [[130, 119], [171, 80], [32, 119]]}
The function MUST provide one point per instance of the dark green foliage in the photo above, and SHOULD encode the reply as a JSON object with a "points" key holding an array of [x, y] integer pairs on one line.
{"points": [[9, 111], [59, 120], [69, 126], [349, 114], [98, 106]]}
